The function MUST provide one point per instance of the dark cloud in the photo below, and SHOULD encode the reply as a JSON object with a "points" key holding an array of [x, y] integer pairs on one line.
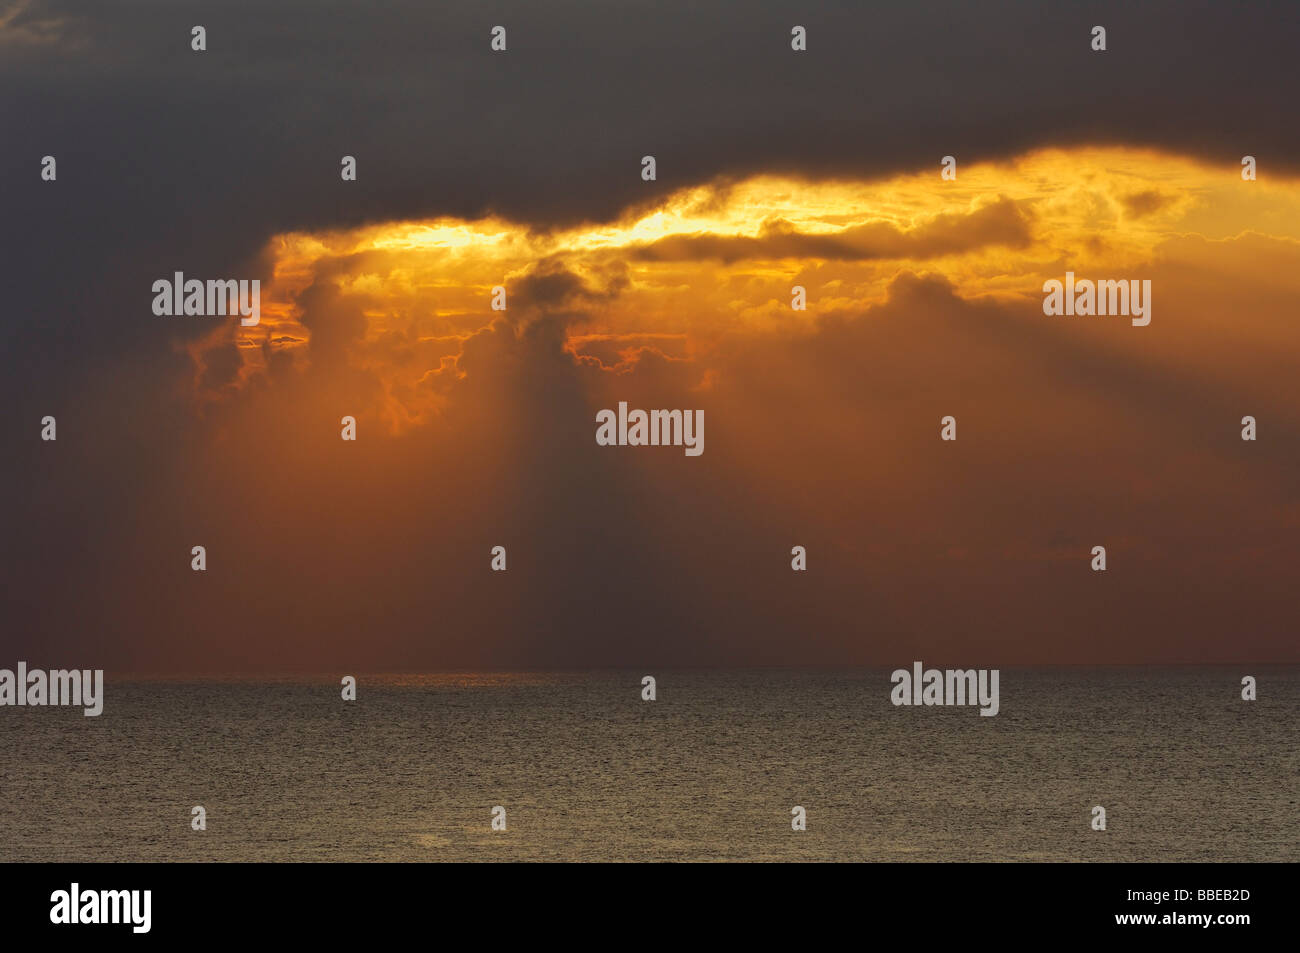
{"points": [[1145, 202], [221, 366], [550, 283]]}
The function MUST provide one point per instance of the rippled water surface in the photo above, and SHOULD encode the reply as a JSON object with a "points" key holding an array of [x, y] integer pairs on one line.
{"points": [[709, 771]]}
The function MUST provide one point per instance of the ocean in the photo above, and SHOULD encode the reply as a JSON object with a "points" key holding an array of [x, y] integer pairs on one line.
{"points": [[709, 771]]}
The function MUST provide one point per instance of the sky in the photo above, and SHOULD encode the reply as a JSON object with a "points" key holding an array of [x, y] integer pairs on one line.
{"points": [[476, 428]]}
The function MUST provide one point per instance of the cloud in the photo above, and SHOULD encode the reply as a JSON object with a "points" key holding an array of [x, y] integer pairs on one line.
{"points": [[21, 27], [1002, 222], [1145, 202]]}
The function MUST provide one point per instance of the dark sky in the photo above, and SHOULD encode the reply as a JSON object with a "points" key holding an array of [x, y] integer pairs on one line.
{"points": [[172, 160]]}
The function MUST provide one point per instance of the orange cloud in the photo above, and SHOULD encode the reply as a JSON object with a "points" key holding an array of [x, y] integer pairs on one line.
{"points": [[710, 266]]}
